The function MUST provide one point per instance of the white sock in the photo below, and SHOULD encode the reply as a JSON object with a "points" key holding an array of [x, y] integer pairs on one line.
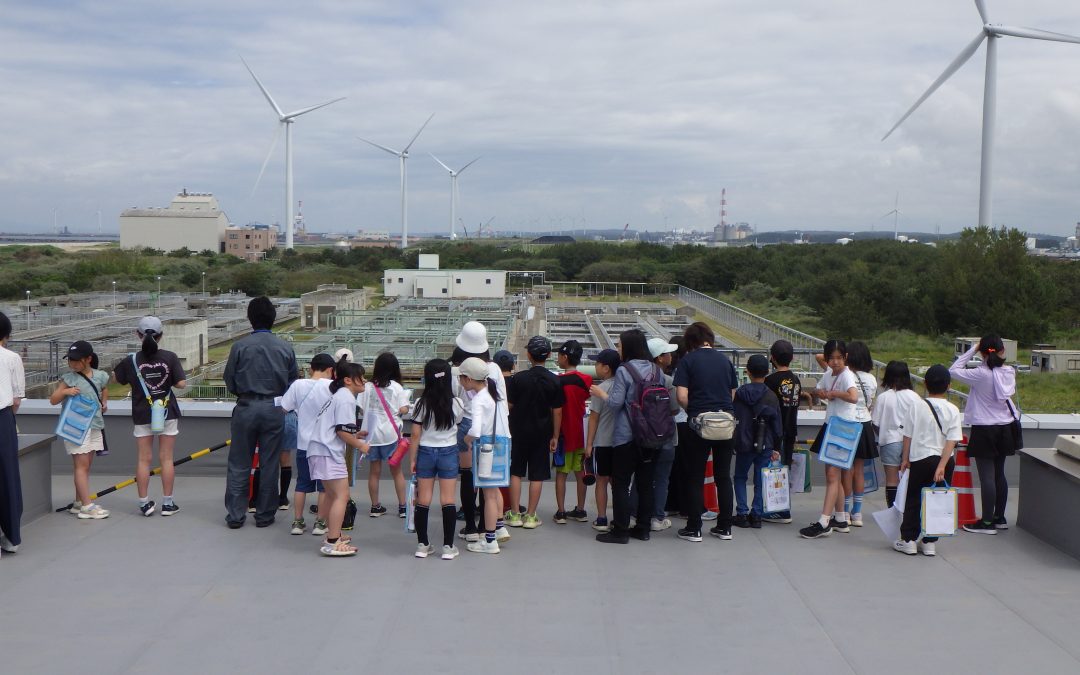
{"points": [[143, 501], [824, 520], [841, 516], [165, 500]]}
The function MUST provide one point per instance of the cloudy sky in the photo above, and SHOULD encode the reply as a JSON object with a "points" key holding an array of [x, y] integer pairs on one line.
{"points": [[587, 114]]}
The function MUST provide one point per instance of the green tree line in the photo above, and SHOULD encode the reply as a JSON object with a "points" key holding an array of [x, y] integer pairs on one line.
{"points": [[983, 281]]}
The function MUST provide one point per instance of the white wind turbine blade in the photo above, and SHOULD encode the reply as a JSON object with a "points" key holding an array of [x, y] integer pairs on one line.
{"points": [[395, 153], [304, 111], [467, 166], [1035, 34], [888, 214], [417, 134], [273, 104], [262, 170], [952, 68], [441, 164], [981, 6]]}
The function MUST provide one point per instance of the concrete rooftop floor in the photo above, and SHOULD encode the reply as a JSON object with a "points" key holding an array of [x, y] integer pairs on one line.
{"points": [[184, 594]]}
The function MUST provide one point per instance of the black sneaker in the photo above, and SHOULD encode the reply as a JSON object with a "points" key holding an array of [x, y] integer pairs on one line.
{"points": [[689, 535], [613, 537], [741, 520], [815, 530], [251, 506], [560, 517], [640, 533], [579, 515], [377, 510], [779, 517], [147, 509], [1001, 523], [349, 520], [980, 527], [400, 510], [169, 509], [721, 533], [755, 522], [841, 526], [283, 503]]}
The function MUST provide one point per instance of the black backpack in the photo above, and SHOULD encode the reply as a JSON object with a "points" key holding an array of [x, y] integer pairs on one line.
{"points": [[651, 421]]}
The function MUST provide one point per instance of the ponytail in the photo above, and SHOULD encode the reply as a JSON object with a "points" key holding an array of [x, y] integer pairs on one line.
{"points": [[149, 343], [493, 390], [992, 349], [345, 369]]}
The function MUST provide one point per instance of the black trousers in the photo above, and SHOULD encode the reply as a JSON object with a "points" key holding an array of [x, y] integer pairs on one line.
{"points": [[993, 487], [920, 475], [677, 478], [628, 465], [11, 502], [695, 458]]}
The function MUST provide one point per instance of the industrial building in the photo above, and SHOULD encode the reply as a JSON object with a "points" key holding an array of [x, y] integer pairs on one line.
{"points": [[189, 339], [250, 242], [193, 220], [317, 306], [428, 281], [1055, 360]]}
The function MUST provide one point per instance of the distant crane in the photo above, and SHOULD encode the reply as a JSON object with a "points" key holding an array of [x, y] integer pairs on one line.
{"points": [[480, 231]]}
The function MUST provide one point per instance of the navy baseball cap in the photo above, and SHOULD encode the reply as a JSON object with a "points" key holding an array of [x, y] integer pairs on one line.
{"points": [[757, 365], [608, 357], [504, 359], [79, 349], [539, 346]]}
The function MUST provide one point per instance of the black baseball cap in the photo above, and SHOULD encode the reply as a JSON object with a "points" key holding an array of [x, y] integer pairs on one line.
{"points": [[757, 365], [538, 347], [608, 357], [79, 349], [571, 348]]}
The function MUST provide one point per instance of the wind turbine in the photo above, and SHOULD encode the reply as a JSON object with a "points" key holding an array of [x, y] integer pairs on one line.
{"points": [[895, 213], [403, 155], [989, 32], [284, 120], [453, 191]]}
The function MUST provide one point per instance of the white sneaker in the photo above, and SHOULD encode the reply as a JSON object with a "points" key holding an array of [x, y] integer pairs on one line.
{"points": [[856, 520], [6, 545], [75, 507], [659, 525], [907, 547], [319, 528], [449, 552], [927, 548], [633, 522], [502, 535], [710, 515], [424, 550], [92, 512], [483, 546]]}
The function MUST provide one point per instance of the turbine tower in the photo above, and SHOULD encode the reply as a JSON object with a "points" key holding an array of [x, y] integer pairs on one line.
{"points": [[990, 32], [453, 191], [895, 213], [403, 155], [284, 120]]}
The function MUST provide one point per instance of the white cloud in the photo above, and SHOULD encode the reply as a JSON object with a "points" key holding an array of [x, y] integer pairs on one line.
{"points": [[586, 113]]}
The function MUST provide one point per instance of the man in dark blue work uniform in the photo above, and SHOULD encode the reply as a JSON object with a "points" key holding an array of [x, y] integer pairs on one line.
{"points": [[260, 368]]}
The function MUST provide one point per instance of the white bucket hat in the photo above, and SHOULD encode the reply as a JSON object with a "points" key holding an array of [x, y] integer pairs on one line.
{"points": [[472, 338]]}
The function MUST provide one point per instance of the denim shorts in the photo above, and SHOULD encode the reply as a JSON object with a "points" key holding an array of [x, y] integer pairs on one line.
{"points": [[288, 438], [892, 453], [379, 453], [437, 462]]}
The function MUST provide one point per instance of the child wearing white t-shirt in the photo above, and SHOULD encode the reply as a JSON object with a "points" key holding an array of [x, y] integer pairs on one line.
{"points": [[333, 429], [891, 408], [931, 431], [384, 402]]}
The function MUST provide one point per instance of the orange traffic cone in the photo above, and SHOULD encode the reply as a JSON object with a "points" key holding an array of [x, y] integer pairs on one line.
{"points": [[711, 502], [965, 490]]}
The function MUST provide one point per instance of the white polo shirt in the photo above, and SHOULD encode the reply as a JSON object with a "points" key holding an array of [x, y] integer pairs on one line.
{"points": [[927, 440]]}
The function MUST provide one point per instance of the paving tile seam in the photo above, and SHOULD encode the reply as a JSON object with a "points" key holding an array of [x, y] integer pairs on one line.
{"points": [[1020, 615], [807, 604]]}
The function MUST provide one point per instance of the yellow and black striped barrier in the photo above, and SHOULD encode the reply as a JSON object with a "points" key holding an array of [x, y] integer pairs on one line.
{"points": [[130, 481]]}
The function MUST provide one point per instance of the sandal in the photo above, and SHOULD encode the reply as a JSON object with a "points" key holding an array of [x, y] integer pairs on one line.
{"points": [[339, 548], [345, 538]]}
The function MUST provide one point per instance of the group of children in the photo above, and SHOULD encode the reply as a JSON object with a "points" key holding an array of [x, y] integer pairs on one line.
{"points": [[473, 400]]}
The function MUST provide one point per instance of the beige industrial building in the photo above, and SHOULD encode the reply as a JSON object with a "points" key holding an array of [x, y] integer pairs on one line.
{"points": [[193, 220], [428, 281], [250, 243], [1055, 361], [188, 339], [317, 306]]}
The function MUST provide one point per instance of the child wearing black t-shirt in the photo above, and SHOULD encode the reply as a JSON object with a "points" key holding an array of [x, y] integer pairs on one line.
{"points": [[785, 384]]}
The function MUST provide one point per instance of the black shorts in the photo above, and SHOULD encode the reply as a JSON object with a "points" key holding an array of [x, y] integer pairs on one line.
{"points": [[530, 458], [603, 461], [867, 448], [991, 440]]}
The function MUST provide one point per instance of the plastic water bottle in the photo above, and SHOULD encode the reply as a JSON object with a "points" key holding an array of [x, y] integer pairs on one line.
{"points": [[560, 454], [485, 460]]}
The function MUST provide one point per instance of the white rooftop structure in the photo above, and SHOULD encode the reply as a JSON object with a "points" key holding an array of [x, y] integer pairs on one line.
{"points": [[193, 220]]}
